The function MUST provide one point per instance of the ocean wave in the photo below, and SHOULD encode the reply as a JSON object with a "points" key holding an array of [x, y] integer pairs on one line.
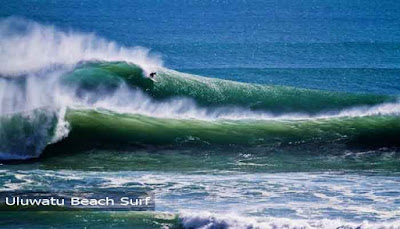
{"points": [[108, 127], [100, 91]]}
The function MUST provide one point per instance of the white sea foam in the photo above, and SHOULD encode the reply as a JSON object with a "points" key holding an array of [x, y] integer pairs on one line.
{"points": [[208, 220], [232, 200]]}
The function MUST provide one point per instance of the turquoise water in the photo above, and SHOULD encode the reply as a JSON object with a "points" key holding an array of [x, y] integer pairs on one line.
{"points": [[262, 114]]}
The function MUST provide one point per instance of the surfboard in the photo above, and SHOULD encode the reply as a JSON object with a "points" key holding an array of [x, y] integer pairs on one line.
{"points": [[154, 80]]}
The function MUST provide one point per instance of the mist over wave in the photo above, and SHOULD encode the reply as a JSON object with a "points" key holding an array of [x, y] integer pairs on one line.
{"points": [[27, 46]]}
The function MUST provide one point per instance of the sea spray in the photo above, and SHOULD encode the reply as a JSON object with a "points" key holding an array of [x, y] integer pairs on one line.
{"points": [[28, 47]]}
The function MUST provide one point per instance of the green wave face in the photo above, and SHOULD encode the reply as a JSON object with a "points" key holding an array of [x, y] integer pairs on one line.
{"points": [[278, 99], [210, 92], [95, 76], [101, 128]]}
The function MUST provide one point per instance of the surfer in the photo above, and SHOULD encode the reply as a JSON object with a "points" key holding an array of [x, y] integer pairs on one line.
{"points": [[152, 74]]}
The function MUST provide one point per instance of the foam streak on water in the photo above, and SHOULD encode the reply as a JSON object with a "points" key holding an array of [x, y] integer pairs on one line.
{"points": [[241, 200]]}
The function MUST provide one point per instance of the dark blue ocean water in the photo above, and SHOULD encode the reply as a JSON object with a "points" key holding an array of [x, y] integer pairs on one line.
{"points": [[332, 45]]}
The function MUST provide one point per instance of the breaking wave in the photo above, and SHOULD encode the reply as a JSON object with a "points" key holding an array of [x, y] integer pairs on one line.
{"points": [[57, 85]]}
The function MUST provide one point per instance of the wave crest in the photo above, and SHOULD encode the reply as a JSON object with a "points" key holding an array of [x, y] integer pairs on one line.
{"points": [[27, 46]]}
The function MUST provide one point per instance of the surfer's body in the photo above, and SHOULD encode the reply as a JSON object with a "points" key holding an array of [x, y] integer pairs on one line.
{"points": [[152, 75]]}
